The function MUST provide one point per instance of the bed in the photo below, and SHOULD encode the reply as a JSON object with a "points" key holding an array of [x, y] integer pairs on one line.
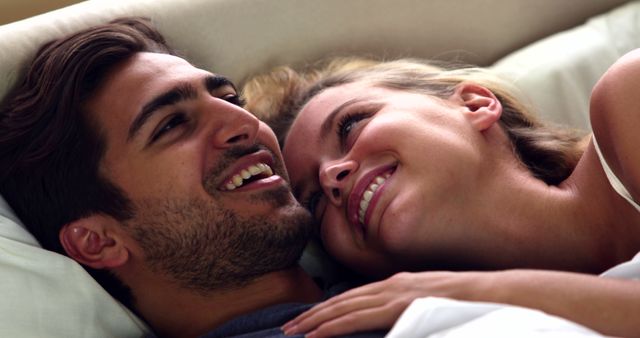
{"points": [[553, 50]]}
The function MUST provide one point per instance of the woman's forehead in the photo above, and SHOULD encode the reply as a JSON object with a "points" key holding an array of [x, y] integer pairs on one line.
{"points": [[325, 101]]}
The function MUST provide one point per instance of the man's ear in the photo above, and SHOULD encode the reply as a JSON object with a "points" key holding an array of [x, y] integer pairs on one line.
{"points": [[483, 109], [89, 242]]}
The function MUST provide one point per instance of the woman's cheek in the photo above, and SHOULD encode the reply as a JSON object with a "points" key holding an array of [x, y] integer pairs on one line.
{"points": [[402, 230], [336, 237]]}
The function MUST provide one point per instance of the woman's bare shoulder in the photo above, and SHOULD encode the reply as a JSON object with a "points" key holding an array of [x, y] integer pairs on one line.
{"points": [[615, 119]]}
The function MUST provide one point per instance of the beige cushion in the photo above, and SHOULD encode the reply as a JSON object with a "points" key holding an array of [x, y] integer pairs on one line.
{"points": [[240, 37], [558, 72]]}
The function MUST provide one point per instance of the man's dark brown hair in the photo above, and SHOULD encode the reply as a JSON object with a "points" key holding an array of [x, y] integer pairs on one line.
{"points": [[51, 146]]}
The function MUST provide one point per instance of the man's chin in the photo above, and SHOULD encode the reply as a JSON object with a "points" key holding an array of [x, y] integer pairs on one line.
{"points": [[278, 197], [206, 247]]}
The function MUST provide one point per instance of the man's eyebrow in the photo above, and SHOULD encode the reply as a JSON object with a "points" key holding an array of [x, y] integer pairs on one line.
{"points": [[181, 92], [213, 82], [325, 128]]}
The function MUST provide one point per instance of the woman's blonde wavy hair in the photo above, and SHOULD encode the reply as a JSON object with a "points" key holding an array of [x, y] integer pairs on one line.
{"points": [[550, 153]]}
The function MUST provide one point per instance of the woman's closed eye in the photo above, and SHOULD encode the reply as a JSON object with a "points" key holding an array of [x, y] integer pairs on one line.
{"points": [[169, 124]]}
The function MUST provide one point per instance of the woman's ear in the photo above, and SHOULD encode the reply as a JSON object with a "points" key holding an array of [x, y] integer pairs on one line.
{"points": [[89, 242], [483, 109]]}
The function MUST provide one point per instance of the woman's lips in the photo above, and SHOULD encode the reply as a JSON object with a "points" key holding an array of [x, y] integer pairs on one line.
{"points": [[367, 207], [365, 195]]}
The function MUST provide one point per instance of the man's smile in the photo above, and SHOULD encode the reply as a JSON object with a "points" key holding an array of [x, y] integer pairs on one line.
{"points": [[251, 172]]}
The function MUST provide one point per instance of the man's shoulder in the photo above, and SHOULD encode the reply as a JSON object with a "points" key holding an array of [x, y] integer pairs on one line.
{"points": [[267, 322]]}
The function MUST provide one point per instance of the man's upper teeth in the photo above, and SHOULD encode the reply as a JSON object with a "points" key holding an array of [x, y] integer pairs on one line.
{"points": [[238, 179], [368, 195]]}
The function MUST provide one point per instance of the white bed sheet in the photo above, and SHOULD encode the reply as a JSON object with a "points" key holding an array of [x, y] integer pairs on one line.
{"points": [[440, 317]]}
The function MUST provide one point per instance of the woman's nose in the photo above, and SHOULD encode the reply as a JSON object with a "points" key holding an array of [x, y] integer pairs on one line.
{"points": [[335, 179], [233, 125]]}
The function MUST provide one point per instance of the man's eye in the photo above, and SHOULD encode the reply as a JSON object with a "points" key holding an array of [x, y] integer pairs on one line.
{"points": [[173, 122], [234, 99]]}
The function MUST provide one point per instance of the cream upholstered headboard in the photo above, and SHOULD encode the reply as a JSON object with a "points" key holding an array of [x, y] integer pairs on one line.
{"points": [[45, 294], [240, 37]]}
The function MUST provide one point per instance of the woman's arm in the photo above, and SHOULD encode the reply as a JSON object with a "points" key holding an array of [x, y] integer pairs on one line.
{"points": [[606, 305], [602, 304], [615, 119]]}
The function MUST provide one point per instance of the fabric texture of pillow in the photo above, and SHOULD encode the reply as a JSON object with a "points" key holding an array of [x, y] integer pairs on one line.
{"points": [[557, 73], [45, 294]]}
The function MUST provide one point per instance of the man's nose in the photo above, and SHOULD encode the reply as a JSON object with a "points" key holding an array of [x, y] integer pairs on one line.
{"points": [[233, 125], [336, 180]]}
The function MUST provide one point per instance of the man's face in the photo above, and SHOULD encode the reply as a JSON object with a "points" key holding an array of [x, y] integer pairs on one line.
{"points": [[212, 207]]}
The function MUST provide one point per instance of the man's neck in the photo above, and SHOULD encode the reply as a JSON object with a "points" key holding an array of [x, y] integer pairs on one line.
{"points": [[176, 312]]}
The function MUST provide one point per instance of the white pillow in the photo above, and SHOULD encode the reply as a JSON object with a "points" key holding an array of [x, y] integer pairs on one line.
{"points": [[557, 73], [45, 294]]}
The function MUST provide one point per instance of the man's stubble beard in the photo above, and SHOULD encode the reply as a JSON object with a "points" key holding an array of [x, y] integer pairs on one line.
{"points": [[204, 246]]}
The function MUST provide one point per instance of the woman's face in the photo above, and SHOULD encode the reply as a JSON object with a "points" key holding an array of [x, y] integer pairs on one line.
{"points": [[385, 172]]}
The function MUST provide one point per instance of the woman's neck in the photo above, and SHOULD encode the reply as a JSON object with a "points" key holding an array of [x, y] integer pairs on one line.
{"points": [[580, 225], [613, 221]]}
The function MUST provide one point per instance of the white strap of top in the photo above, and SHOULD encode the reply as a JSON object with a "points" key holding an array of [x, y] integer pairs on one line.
{"points": [[613, 179]]}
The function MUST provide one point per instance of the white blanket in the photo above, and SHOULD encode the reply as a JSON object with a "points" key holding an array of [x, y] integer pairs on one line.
{"points": [[440, 317]]}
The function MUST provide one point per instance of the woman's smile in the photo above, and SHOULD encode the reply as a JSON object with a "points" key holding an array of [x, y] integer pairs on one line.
{"points": [[387, 180], [365, 195]]}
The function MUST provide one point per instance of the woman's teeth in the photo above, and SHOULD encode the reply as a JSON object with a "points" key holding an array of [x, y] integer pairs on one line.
{"points": [[368, 195], [238, 179]]}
